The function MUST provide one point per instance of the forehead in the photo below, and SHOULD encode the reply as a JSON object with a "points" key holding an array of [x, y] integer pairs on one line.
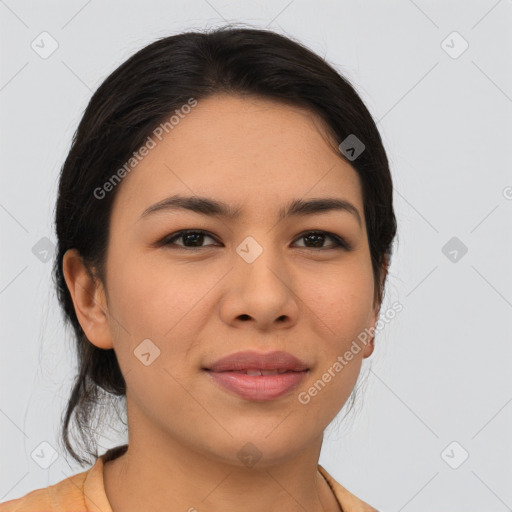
{"points": [[248, 152]]}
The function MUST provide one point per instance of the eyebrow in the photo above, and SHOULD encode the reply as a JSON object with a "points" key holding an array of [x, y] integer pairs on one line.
{"points": [[215, 208]]}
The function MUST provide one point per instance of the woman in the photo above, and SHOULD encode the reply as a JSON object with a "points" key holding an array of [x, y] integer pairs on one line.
{"points": [[224, 223]]}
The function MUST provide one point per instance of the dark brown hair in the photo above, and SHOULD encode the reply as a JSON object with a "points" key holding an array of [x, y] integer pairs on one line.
{"points": [[139, 95]]}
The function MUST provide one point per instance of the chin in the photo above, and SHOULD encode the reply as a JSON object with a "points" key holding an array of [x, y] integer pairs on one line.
{"points": [[260, 445]]}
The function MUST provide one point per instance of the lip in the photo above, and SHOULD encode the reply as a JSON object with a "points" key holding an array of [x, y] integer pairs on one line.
{"points": [[251, 359], [230, 373]]}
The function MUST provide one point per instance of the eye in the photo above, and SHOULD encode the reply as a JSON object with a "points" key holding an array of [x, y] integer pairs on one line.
{"points": [[318, 237], [193, 239]]}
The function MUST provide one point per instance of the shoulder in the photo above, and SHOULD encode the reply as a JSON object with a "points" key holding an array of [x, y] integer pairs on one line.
{"points": [[81, 492], [348, 501], [34, 501], [65, 495]]}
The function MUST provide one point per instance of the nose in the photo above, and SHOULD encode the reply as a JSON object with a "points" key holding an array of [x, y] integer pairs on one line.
{"points": [[260, 292]]}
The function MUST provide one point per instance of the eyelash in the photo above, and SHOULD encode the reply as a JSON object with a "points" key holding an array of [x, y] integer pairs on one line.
{"points": [[339, 242]]}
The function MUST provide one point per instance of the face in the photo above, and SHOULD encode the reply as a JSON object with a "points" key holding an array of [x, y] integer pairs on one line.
{"points": [[255, 281]]}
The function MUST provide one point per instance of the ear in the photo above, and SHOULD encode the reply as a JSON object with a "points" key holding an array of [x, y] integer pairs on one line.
{"points": [[370, 346], [88, 298]]}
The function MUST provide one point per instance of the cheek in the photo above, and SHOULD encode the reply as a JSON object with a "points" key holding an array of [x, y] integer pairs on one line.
{"points": [[341, 300], [152, 299], [342, 309], [156, 303]]}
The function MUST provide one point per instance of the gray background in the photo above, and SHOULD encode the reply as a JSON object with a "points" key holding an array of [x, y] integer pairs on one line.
{"points": [[441, 369]]}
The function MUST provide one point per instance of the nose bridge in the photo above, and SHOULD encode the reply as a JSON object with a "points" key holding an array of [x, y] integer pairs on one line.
{"points": [[257, 260], [262, 277]]}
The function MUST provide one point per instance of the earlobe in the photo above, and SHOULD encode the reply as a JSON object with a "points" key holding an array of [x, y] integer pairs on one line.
{"points": [[370, 346], [88, 299]]}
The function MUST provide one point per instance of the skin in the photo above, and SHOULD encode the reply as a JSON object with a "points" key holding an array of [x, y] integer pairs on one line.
{"points": [[200, 305]]}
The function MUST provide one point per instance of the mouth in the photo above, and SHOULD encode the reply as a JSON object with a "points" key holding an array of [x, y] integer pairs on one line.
{"points": [[257, 376]]}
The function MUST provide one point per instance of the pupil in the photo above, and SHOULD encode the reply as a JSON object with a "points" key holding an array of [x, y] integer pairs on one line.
{"points": [[317, 237], [188, 235]]}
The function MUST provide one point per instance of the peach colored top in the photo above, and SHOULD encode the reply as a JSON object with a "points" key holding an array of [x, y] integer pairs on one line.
{"points": [[85, 492]]}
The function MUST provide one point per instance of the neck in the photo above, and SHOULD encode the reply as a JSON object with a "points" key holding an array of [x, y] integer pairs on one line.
{"points": [[157, 473]]}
